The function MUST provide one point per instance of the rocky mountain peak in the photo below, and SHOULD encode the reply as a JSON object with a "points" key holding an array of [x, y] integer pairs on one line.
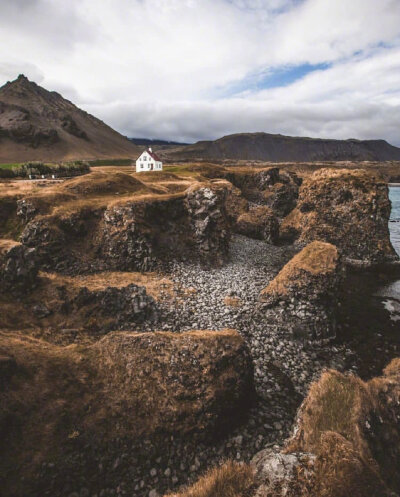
{"points": [[37, 124]]}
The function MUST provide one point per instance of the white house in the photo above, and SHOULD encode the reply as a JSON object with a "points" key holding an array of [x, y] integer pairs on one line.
{"points": [[148, 161]]}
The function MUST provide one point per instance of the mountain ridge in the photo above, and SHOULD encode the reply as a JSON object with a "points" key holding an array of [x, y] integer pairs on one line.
{"points": [[38, 124], [281, 148]]}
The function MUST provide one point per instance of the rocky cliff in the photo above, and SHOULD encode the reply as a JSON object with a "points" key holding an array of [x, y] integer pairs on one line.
{"points": [[345, 442], [135, 234], [349, 209], [78, 406], [303, 298]]}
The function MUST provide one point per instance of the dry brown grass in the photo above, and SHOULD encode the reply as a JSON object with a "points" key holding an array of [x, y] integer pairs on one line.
{"points": [[157, 286], [97, 183], [7, 244], [334, 404], [317, 258], [352, 428], [233, 301], [231, 479]]}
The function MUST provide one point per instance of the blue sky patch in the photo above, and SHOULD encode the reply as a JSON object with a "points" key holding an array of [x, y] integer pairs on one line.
{"points": [[273, 78]]}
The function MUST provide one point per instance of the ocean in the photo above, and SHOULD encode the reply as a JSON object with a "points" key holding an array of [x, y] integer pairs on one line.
{"points": [[394, 224]]}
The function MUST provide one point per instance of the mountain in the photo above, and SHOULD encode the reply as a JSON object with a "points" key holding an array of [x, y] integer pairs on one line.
{"points": [[280, 148], [148, 142], [36, 124]]}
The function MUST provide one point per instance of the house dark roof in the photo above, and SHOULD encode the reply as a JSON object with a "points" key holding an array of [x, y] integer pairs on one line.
{"points": [[153, 155]]}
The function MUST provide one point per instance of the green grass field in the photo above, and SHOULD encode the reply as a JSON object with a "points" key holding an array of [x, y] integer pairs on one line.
{"points": [[9, 166]]}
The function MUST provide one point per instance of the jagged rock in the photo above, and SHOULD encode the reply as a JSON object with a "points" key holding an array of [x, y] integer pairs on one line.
{"points": [[18, 267], [276, 472], [136, 235], [303, 297], [349, 208], [259, 223], [207, 215], [349, 431], [272, 187], [125, 239], [113, 308], [26, 210]]}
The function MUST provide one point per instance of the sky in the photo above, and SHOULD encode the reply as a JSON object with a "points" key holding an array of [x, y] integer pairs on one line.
{"points": [[190, 70]]}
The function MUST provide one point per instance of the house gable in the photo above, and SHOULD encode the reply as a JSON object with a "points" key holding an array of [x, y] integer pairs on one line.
{"points": [[148, 161]]}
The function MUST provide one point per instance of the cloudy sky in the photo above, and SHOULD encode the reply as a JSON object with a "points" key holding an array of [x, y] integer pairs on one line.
{"points": [[200, 69]]}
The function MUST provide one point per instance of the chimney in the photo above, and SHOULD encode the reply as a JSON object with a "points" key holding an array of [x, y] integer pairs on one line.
{"points": [[150, 150]]}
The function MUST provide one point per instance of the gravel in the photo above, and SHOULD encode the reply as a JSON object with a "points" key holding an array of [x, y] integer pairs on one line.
{"points": [[283, 370]]}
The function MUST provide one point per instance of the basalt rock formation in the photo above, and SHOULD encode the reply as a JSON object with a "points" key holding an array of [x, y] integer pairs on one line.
{"points": [[272, 187], [78, 403], [349, 209], [37, 124], [136, 234], [259, 223], [18, 267], [345, 441], [303, 298]]}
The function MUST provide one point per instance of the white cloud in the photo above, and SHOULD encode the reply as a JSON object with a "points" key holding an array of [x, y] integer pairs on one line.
{"points": [[158, 68]]}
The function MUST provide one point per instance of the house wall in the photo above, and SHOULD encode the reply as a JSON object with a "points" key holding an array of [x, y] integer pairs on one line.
{"points": [[145, 161]]}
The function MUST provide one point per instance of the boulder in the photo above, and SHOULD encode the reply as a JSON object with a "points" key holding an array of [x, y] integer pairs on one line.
{"points": [[303, 297], [84, 407], [276, 472], [348, 208], [18, 267], [259, 223], [198, 381]]}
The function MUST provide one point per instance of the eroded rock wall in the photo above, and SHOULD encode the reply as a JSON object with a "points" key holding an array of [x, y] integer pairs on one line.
{"points": [[18, 268], [303, 297], [138, 235], [349, 209]]}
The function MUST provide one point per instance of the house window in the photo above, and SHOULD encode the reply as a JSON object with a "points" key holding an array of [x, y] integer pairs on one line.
{"points": [[144, 158]]}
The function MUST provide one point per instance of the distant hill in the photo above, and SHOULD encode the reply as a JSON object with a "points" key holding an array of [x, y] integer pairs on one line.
{"points": [[280, 148], [148, 142], [36, 124]]}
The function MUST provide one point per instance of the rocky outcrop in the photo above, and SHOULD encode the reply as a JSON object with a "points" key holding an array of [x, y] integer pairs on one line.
{"points": [[272, 187], [345, 441], [208, 219], [303, 297], [349, 209], [18, 267], [112, 308], [138, 394], [259, 223], [138, 234], [177, 382]]}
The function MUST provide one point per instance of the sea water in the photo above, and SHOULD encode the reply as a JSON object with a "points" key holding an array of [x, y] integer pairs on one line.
{"points": [[391, 291], [394, 223]]}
